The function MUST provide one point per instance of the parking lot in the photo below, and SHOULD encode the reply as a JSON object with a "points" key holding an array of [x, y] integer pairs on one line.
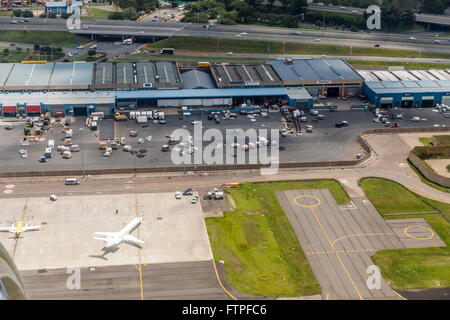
{"points": [[172, 230], [326, 142]]}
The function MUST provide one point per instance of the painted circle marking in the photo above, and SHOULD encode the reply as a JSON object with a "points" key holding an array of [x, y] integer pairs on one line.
{"points": [[306, 205], [405, 231]]}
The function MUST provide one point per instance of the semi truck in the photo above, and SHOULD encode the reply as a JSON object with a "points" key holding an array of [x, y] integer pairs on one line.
{"points": [[167, 51]]}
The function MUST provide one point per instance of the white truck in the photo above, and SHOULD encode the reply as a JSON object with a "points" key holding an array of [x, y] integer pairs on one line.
{"points": [[141, 119]]}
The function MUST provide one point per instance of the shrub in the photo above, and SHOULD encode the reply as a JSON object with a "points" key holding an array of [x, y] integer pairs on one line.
{"points": [[28, 14], [116, 16]]}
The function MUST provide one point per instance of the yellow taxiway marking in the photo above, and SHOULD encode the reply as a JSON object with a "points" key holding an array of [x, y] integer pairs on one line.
{"points": [[129, 258], [19, 227], [220, 282], [362, 235], [306, 206], [332, 243], [337, 254], [405, 231]]}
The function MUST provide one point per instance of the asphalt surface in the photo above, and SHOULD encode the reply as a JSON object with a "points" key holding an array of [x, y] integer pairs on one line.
{"points": [[325, 143], [149, 29], [420, 17], [339, 240], [169, 281], [427, 294]]}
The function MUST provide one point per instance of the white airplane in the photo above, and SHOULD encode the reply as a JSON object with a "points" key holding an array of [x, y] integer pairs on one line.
{"points": [[19, 229], [114, 239]]}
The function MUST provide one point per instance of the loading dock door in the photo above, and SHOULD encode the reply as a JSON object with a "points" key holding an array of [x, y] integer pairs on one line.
{"points": [[332, 92], [80, 111], [386, 102], [9, 111], [427, 101], [34, 110], [407, 102]]}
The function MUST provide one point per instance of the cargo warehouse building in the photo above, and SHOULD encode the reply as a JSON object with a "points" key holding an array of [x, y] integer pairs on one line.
{"points": [[407, 89], [81, 88]]}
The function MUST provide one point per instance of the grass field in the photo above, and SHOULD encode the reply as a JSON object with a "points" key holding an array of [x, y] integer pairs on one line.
{"points": [[180, 58], [426, 141], [411, 268], [379, 192], [95, 13], [53, 38], [261, 252], [13, 55], [259, 46], [407, 65], [442, 140]]}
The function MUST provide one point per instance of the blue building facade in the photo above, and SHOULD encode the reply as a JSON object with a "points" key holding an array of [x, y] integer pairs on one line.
{"points": [[407, 94], [59, 7]]}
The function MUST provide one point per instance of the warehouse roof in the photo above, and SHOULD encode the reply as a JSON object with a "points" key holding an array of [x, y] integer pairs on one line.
{"points": [[199, 93], [314, 70], [431, 74], [195, 79], [72, 74], [58, 97], [5, 69], [245, 75], [297, 93], [399, 87]]}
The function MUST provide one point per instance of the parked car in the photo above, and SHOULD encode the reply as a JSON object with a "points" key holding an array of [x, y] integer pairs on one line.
{"points": [[178, 195], [341, 124], [194, 200], [165, 147], [53, 197], [188, 192]]}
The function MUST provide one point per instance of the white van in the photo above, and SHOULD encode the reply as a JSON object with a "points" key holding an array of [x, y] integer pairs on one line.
{"points": [[51, 144], [48, 153], [75, 148], [67, 155], [72, 181]]}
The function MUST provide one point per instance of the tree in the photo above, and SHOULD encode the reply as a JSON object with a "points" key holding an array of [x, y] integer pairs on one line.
{"points": [[5, 51], [91, 53], [17, 12], [36, 47], [28, 14], [433, 6], [129, 12], [116, 16]]}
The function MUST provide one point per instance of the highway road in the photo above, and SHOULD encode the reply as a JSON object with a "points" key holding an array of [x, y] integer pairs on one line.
{"points": [[420, 17], [147, 29]]}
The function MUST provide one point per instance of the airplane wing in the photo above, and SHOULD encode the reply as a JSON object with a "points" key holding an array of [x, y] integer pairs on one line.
{"points": [[130, 239], [30, 228], [105, 233], [101, 239], [8, 229]]}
